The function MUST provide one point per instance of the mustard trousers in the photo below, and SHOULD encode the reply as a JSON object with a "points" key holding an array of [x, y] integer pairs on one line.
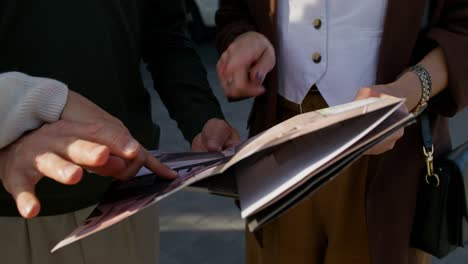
{"points": [[329, 227]]}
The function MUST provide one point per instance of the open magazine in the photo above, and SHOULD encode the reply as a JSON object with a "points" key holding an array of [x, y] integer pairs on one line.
{"points": [[269, 173]]}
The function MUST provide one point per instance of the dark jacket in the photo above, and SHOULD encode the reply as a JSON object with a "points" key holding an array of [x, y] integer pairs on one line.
{"points": [[96, 48], [393, 177]]}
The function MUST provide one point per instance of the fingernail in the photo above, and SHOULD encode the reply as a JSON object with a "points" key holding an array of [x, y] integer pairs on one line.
{"points": [[260, 78], [96, 151], [28, 209], [174, 173], [222, 68], [131, 146], [68, 171]]}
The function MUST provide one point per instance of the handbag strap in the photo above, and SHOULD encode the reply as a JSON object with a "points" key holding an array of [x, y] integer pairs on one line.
{"points": [[426, 130]]}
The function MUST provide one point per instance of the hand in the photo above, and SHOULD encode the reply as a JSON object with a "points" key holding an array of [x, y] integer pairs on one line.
{"points": [[216, 135], [382, 91], [79, 109], [62, 150], [243, 66]]}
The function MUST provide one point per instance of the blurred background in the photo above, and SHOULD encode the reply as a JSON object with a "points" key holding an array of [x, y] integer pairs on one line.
{"points": [[204, 229]]}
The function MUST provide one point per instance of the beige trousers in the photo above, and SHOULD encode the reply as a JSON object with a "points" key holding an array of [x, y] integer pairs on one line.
{"points": [[134, 240]]}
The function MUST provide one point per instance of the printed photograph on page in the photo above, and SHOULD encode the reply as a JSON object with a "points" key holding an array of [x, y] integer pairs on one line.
{"points": [[125, 199]]}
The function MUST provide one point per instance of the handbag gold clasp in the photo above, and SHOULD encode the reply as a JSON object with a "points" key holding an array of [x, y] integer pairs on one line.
{"points": [[429, 154]]}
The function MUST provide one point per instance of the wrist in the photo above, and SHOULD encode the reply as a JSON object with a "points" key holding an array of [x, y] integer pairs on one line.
{"points": [[54, 97], [409, 86]]}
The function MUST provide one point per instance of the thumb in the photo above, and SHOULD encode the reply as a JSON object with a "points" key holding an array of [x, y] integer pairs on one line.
{"points": [[215, 134], [367, 92], [26, 201], [28, 204]]}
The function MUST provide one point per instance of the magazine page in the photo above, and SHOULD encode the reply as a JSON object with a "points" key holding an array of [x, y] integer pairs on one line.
{"points": [[307, 123], [327, 173], [181, 160], [397, 119], [125, 199], [301, 125], [271, 177]]}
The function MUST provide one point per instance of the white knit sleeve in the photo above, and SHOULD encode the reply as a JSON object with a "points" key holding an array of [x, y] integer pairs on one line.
{"points": [[27, 102]]}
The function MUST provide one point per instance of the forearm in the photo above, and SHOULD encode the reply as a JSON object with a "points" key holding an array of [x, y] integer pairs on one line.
{"points": [[28, 102], [232, 19], [185, 91], [410, 86], [178, 72]]}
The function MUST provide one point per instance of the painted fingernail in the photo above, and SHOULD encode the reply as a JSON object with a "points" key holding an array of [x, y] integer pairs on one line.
{"points": [[131, 146], [260, 77], [222, 68]]}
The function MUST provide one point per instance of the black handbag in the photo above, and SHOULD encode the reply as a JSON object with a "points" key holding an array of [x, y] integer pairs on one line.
{"points": [[441, 217]]}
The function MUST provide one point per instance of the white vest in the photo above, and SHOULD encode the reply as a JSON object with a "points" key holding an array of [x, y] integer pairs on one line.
{"points": [[331, 43]]}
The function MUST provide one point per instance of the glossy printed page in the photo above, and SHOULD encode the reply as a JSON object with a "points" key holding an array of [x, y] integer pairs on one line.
{"points": [[307, 123], [291, 163], [125, 199]]}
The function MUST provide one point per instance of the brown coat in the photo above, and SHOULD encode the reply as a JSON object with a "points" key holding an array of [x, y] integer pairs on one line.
{"points": [[393, 181]]}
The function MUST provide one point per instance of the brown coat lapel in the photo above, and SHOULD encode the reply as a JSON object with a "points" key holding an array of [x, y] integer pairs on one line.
{"points": [[263, 114], [265, 17]]}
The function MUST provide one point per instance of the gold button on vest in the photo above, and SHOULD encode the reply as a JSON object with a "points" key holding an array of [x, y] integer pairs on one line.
{"points": [[317, 57], [317, 23]]}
